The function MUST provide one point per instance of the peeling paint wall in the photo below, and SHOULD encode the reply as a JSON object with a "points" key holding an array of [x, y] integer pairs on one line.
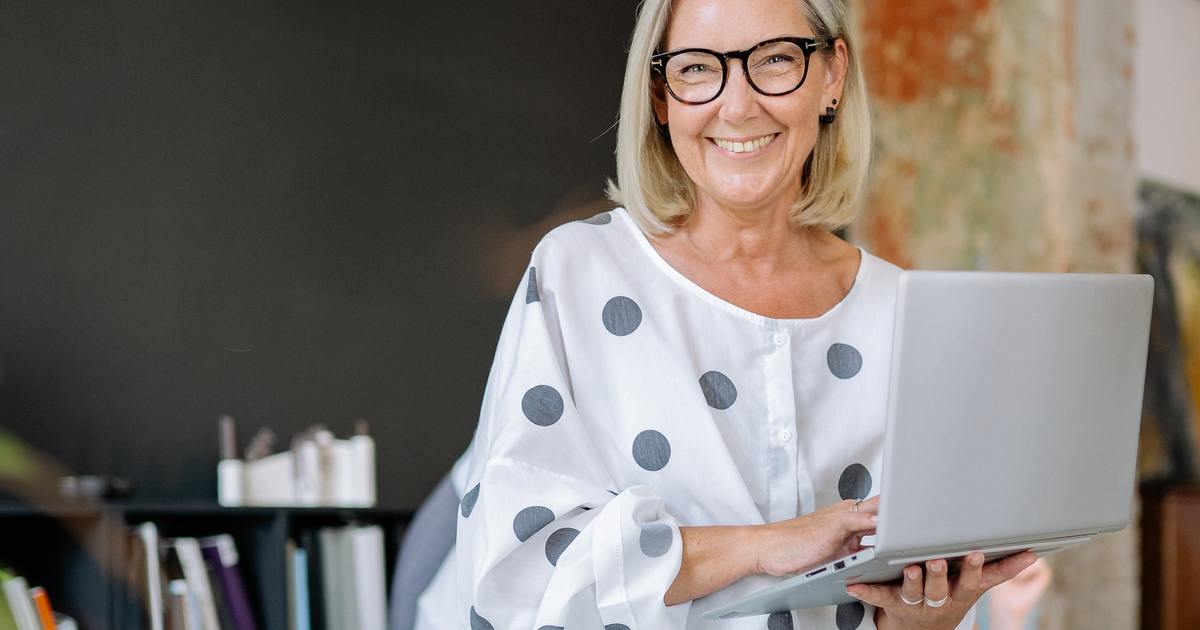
{"points": [[996, 146], [1003, 142]]}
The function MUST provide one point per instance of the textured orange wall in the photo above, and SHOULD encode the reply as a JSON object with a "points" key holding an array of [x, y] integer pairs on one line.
{"points": [[1002, 133], [1003, 142]]}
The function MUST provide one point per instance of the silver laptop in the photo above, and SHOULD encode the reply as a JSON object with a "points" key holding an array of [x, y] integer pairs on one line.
{"points": [[1012, 424]]}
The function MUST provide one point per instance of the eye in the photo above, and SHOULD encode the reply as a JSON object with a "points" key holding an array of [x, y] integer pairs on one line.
{"points": [[779, 59], [695, 68]]}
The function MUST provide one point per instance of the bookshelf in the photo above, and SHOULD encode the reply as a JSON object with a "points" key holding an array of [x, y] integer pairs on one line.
{"points": [[79, 553]]}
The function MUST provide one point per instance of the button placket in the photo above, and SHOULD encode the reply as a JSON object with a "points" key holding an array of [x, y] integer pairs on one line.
{"points": [[781, 401]]}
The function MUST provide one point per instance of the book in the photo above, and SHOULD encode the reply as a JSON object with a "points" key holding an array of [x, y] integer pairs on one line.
{"points": [[8, 619], [224, 615], [181, 611], [299, 589], [334, 589], [195, 573], [220, 553], [16, 591], [367, 565], [309, 541], [151, 586], [289, 576], [41, 605]]}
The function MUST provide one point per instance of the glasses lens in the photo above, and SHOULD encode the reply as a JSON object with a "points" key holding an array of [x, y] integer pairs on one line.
{"points": [[694, 77], [777, 68]]}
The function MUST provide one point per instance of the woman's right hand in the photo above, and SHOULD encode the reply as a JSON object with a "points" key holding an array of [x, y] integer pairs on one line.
{"points": [[791, 546]]}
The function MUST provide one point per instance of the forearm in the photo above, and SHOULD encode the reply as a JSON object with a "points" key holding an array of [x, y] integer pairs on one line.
{"points": [[713, 557]]}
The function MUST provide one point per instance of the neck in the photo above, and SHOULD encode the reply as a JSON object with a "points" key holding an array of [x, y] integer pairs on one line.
{"points": [[758, 238]]}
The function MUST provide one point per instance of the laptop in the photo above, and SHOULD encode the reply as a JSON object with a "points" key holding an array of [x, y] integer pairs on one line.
{"points": [[1013, 412]]}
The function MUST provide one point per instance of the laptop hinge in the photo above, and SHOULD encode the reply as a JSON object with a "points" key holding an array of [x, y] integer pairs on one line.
{"points": [[1035, 545]]}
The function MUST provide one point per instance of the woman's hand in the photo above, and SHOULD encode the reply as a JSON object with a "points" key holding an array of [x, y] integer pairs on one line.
{"points": [[791, 546], [1010, 603], [716, 556], [931, 583]]}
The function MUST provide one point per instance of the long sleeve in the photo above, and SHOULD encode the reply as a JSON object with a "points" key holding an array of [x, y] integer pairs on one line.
{"points": [[546, 539]]}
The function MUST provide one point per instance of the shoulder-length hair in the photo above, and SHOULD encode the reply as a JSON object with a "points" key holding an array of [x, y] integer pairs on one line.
{"points": [[652, 185]]}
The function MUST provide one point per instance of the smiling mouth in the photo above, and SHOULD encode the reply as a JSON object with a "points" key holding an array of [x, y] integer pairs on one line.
{"points": [[747, 146]]}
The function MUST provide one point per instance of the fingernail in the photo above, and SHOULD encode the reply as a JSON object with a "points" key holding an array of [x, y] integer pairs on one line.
{"points": [[912, 574], [851, 593], [976, 560], [874, 519]]}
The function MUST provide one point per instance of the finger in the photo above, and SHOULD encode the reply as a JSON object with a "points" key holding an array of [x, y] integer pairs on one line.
{"points": [[859, 522], [970, 576], [913, 587], [867, 506], [1003, 570], [937, 587], [877, 595]]}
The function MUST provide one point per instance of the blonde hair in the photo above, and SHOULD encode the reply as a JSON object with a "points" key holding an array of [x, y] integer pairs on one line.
{"points": [[651, 183]]}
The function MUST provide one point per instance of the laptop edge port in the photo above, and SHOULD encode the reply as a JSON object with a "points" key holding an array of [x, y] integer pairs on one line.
{"points": [[817, 572], [839, 565]]}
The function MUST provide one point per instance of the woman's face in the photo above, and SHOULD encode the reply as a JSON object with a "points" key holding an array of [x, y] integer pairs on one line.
{"points": [[769, 174]]}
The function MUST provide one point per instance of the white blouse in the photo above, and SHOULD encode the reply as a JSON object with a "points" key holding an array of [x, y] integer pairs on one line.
{"points": [[626, 401]]}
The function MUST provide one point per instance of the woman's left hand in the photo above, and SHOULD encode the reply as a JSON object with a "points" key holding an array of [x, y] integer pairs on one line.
{"points": [[931, 583]]}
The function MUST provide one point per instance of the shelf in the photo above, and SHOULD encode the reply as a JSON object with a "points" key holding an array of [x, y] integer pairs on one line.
{"points": [[152, 510], [79, 551]]}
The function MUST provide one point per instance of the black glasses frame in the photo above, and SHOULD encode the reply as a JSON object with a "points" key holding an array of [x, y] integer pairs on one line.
{"points": [[809, 45]]}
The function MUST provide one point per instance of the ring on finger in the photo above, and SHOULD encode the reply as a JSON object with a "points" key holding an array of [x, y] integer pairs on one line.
{"points": [[910, 603], [933, 604], [854, 508]]}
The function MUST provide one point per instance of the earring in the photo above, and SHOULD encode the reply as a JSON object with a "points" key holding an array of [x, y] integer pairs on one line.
{"points": [[664, 133], [828, 116]]}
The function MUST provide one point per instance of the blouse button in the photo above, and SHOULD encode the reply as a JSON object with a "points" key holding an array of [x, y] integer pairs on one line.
{"points": [[785, 435], [780, 339]]}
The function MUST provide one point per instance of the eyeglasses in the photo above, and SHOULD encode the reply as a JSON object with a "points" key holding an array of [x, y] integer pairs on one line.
{"points": [[773, 68]]}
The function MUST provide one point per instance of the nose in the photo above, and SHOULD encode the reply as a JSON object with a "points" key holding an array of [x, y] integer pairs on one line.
{"points": [[738, 98]]}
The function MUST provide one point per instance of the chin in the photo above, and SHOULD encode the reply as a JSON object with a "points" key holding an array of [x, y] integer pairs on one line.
{"points": [[740, 194]]}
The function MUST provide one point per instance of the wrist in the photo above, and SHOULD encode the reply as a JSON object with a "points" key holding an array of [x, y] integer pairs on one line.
{"points": [[746, 539]]}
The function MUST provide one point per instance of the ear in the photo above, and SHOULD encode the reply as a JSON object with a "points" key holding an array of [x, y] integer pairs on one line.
{"points": [[658, 97], [836, 66]]}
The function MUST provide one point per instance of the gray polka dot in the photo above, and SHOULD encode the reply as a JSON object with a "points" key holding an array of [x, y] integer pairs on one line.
{"points": [[718, 390], [557, 543], [616, 626], [531, 290], [479, 623], [855, 482], [551, 628], [468, 501], [779, 621], [656, 539], [603, 218], [622, 316], [543, 405], [530, 520], [850, 616], [651, 450], [844, 361]]}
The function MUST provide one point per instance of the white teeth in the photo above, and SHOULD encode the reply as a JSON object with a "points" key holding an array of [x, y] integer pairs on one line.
{"points": [[744, 147]]}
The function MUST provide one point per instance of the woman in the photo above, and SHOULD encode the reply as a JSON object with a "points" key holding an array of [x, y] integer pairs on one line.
{"points": [[688, 392]]}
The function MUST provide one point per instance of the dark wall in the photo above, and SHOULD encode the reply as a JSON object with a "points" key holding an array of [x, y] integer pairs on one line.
{"points": [[292, 212]]}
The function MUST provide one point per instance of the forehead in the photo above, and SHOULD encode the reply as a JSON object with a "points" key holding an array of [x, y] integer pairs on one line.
{"points": [[732, 24]]}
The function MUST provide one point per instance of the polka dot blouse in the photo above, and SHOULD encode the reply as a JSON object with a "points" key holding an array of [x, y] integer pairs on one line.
{"points": [[625, 401]]}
